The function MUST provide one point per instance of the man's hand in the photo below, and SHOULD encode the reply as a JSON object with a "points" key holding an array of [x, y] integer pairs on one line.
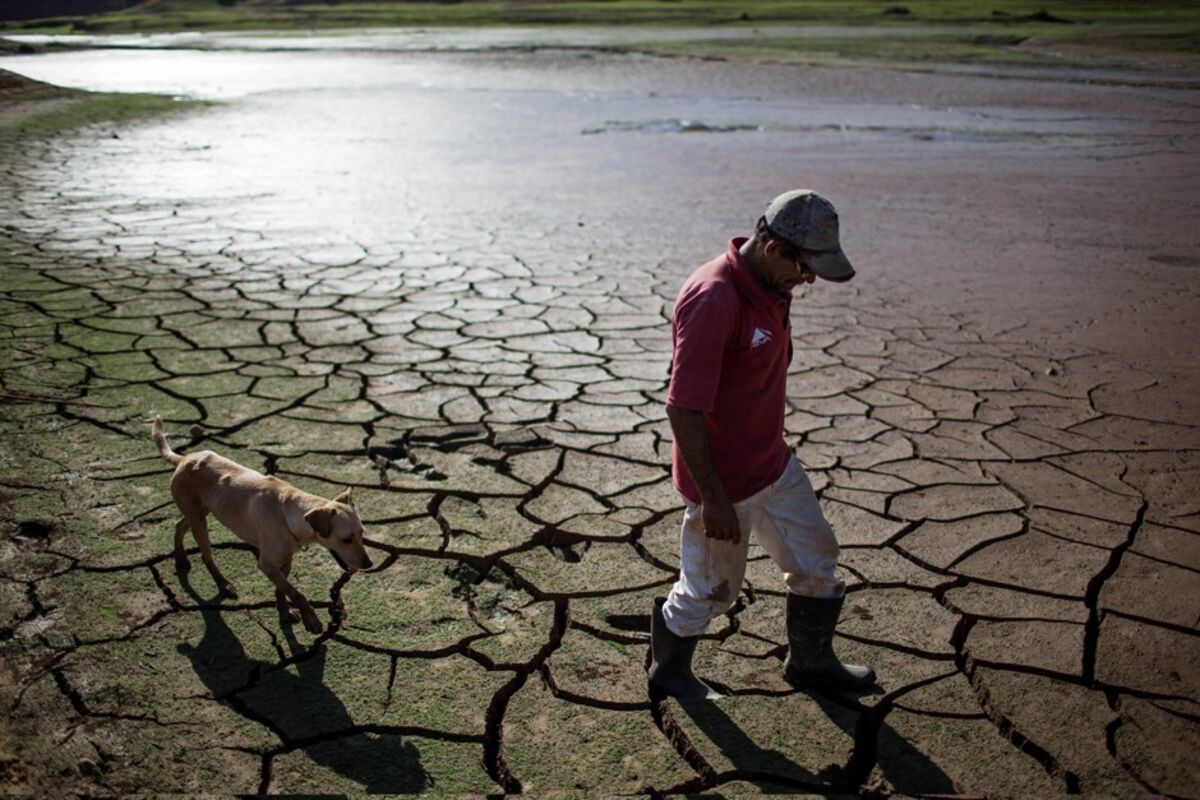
{"points": [[716, 512], [720, 521]]}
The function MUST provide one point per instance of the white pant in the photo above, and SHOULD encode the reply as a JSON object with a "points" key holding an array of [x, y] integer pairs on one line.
{"points": [[786, 520]]}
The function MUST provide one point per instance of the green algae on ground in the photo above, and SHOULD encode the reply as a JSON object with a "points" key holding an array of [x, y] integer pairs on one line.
{"points": [[369, 763], [967, 47], [72, 109], [610, 752]]}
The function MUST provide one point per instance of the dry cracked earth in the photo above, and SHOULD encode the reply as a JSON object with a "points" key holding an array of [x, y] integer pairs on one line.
{"points": [[1019, 531]]}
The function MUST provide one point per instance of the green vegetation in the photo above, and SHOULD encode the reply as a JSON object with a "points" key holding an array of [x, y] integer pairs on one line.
{"points": [[64, 110], [1023, 46], [981, 31]]}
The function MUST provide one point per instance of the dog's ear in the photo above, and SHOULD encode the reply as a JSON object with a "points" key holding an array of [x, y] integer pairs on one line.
{"points": [[346, 497], [320, 520]]}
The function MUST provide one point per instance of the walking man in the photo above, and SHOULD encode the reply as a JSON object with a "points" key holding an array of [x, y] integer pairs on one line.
{"points": [[726, 402]]}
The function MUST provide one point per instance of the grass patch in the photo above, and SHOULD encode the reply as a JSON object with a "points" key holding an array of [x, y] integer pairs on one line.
{"points": [[964, 49], [66, 110]]}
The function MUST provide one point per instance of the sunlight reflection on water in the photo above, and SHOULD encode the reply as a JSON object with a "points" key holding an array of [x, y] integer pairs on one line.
{"points": [[388, 146], [463, 38]]}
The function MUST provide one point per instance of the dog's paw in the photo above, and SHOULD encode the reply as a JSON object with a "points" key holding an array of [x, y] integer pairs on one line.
{"points": [[313, 625], [290, 615], [227, 590]]}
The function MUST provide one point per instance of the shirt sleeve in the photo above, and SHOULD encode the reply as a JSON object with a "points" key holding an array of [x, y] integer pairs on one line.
{"points": [[702, 328]]}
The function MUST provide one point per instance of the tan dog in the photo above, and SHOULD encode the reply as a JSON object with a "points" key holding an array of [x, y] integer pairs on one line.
{"points": [[271, 515]]}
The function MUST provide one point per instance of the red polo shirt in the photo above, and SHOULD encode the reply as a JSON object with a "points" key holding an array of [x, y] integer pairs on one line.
{"points": [[732, 346]]}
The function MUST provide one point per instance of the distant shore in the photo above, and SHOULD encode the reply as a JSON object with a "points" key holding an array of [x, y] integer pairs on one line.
{"points": [[1157, 34]]}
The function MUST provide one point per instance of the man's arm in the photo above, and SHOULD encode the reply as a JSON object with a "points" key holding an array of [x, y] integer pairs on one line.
{"points": [[720, 520]]}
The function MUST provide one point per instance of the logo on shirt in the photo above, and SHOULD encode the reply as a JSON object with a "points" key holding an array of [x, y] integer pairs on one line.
{"points": [[760, 337]]}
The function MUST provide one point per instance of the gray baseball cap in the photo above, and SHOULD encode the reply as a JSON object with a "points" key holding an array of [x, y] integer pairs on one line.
{"points": [[809, 222]]}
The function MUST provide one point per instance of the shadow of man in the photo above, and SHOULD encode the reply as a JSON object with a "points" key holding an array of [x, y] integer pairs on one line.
{"points": [[906, 769], [299, 708], [772, 770]]}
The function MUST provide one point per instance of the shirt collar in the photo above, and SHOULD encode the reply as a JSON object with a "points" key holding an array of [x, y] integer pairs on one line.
{"points": [[754, 292]]}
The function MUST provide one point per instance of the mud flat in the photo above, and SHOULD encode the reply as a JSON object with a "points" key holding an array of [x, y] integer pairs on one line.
{"points": [[445, 279]]}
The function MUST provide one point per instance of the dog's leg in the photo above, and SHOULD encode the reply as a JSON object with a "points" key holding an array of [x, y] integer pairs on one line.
{"points": [[199, 525], [286, 612], [277, 577], [181, 560]]}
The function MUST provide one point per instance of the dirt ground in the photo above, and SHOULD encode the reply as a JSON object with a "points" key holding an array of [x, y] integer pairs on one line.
{"points": [[999, 415]]}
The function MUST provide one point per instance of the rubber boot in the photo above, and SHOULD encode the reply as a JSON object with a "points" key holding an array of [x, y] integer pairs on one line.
{"points": [[811, 662], [671, 661]]}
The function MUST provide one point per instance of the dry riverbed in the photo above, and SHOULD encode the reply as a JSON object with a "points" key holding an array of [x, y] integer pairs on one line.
{"points": [[446, 280]]}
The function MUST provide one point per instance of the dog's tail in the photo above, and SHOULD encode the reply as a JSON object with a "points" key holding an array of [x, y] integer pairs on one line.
{"points": [[164, 449]]}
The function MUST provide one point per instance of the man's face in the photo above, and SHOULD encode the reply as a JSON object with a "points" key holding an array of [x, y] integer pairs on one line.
{"points": [[781, 271]]}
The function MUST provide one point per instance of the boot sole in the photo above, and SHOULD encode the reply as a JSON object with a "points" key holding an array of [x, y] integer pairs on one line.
{"points": [[822, 681], [694, 689]]}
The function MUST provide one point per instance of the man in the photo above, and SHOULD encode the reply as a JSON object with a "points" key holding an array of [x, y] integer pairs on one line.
{"points": [[726, 403]]}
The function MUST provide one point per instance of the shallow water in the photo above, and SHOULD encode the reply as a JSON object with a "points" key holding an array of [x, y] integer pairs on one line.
{"points": [[370, 145], [458, 38]]}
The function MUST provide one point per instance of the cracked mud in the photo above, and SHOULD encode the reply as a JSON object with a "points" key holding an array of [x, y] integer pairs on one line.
{"points": [[1017, 511]]}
